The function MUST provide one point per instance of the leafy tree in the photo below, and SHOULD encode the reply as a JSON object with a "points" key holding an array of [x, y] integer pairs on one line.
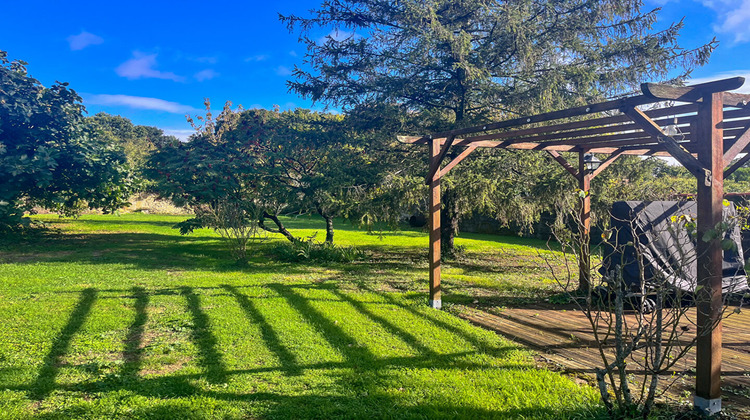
{"points": [[137, 141], [311, 161], [48, 157], [468, 61], [214, 174], [243, 168]]}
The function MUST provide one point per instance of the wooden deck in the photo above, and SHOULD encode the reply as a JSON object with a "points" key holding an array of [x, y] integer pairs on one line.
{"points": [[564, 340]]}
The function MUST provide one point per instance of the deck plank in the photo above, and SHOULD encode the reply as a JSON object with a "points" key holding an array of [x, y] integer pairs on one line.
{"points": [[563, 337]]}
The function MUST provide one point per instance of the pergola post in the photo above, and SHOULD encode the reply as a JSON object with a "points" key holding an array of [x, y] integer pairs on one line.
{"points": [[584, 225], [710, 145], [434, 215]]}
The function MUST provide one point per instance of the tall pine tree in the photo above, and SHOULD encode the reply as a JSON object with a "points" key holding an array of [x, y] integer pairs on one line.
{"points": [[474, 60]]}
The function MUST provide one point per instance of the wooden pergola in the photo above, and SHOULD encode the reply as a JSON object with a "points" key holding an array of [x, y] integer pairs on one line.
{"points": [[714, 128]]}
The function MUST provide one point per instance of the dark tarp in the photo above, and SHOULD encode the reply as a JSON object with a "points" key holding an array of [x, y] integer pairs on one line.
{"points": [[668, 249]]}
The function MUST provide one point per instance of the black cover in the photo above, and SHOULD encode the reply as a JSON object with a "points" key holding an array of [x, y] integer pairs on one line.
{"points": [[669, 251]]}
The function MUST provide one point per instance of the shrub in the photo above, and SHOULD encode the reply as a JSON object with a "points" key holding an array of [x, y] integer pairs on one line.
{"points": [[311, 250]]}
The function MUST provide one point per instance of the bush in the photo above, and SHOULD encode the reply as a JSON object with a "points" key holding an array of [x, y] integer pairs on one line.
{"points": [[310, 250]]}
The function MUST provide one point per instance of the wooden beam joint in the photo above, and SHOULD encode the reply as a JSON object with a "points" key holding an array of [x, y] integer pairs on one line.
{"points": [[613, 157], [437, 160], [564, 163], [670, 144]]}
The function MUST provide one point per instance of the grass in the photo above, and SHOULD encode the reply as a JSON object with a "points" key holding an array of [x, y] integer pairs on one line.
{"points": [[120, 317]]}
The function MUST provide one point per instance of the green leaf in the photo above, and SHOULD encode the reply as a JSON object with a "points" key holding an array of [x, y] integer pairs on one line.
{"points": [[727, 244], [709, 235]]}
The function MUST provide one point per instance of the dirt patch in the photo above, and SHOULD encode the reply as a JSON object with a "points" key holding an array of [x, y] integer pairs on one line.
{"points": [[166, 368], [19, 257]]}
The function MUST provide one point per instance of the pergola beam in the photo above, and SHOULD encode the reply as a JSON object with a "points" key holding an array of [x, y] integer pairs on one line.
{"points": [[608, 161], [551, 116], [709, 288], [563, 162], [457, 160], [694, 93], [737, 165], [740, 143], [434, 223], [678, 152]]}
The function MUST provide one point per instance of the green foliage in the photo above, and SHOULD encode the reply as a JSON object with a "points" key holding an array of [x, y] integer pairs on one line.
{"points": [[308, 249], [309, 161], [48, 157], [477, 58], [137, 141], [215, 175], [207, 168]]}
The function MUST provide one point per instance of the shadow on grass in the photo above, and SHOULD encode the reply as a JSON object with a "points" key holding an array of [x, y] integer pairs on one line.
{"points": [[119, 221], [359, 389], [392, 267], [132, 354], [45, 381], [288, 360], [320, 406], [148, 251], [209, 356]]}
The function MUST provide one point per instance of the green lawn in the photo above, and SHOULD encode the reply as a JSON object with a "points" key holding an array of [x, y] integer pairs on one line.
{"points": [[120, 317]]}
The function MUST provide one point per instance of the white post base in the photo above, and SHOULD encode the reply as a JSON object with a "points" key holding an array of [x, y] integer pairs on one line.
{"points": [[436, 304], [707, 407]]}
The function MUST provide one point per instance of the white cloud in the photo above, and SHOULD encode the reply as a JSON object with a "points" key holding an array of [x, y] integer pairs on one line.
{"points": [[293, 53], [142, 66], [139, 102], [256, 58], [283, 71], [83, 40], [725, 75], [181, 134], [337, 35], [207, 74], [733, 18]]}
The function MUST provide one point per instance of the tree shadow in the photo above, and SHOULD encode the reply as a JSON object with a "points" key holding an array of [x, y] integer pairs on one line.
{"points": [[120, 221], [147, 251]]}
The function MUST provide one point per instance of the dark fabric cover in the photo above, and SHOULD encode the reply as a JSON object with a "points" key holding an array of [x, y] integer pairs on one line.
{"points": [[669, 252]]}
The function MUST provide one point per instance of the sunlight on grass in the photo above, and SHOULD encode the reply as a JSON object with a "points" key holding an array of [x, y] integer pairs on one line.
{"points": [[120, 317]]}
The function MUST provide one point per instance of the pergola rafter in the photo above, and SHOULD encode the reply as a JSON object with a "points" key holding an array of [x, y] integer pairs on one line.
{"points": [[713, 127]]}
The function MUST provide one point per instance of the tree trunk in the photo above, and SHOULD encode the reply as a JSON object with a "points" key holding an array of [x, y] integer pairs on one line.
{"points": [[448, 222], [329, 229], [280, 226], [329, 225], [449, 215]]}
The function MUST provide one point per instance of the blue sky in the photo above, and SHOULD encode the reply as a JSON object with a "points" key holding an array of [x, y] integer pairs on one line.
{"points": [[155, 61]]}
